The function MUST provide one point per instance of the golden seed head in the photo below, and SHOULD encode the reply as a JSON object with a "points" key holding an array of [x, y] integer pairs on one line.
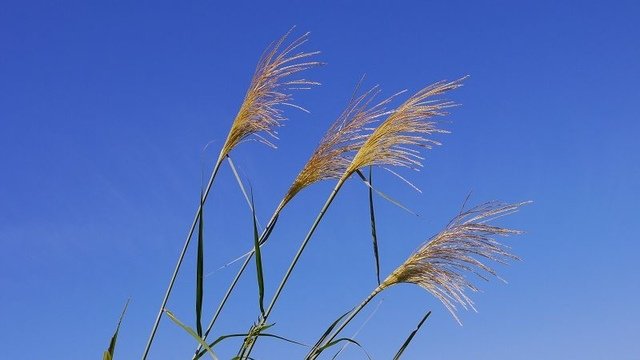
{"points": [[333, 154], [440, 265], [406, 127], [270, 89]]}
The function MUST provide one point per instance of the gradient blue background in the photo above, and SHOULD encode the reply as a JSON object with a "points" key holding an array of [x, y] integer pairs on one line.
{"points": [[105, 109]]}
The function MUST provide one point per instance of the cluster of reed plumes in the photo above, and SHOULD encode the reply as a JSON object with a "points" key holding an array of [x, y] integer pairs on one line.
{"points": [[369, 132], [346, 135]]}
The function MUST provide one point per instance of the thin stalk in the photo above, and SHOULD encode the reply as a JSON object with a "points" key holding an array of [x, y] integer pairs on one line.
{"points": [[313, 354], [263, 319], [214, 172], [263, 238]]}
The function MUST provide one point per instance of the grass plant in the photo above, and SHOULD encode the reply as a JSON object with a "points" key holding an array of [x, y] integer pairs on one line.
{"points": [[370, 133]]}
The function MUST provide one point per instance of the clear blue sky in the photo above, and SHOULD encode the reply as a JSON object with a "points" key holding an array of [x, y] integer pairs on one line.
{"points": [[105, 109]]}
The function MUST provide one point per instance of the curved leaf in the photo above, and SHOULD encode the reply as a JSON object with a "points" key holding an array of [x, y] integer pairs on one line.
{"points": [[224, 337], [384, 196], [337, 341], [192, 333], [329, 329]]}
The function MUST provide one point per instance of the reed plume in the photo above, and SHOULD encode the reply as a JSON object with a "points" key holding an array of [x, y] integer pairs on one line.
{"points": [[346, 135], [407, 126], [440, 265], [270, 89]]}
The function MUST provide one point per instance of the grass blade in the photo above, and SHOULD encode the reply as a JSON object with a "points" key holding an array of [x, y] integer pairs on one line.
{"points": [[224, 337], [192, 333], [413, 333], [337, 341], [374, 235], [200, 269], [328, 331], [383, 195], [330, 328], [359, 329], [241, 185], [108, 355], [256, 244]]}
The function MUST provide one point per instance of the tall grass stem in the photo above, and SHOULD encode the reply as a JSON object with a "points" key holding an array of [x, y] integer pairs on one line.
{"points": [[313, 354], [263, 237], [154, 329], [294, 262]]}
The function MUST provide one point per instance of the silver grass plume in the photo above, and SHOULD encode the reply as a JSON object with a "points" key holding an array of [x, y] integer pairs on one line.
{"points": [[270, 89], [346, 135], [442, 264], [408, 126]]}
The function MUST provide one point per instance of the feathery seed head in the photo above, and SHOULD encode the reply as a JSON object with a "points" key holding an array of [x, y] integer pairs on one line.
{"points": [[439, 266], [333, 154], [407, 126], [270, 89]]}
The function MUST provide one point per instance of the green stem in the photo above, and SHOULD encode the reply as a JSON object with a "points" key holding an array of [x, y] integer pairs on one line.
{"points": [[263, 239], [315, 352], [294, 262], [214, 172]]}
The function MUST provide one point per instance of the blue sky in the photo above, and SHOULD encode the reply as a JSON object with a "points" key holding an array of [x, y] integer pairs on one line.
{"points": [[105, 109]]}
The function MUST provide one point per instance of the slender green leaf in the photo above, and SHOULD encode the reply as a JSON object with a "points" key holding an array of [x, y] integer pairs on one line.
{"points": [[224, 337], [200, 268], [413, 333], [241, 185], [375, 310], [337, 341], [108, 355], [384, 196], [256, 244], [330, 328], [218, 340], [192, 333], [374, 235]]}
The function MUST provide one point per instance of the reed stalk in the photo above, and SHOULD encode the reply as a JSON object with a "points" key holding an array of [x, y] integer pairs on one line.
{"points": [[263, 237], [247, 347], [172, 281], [259, 115], [315, 351]]}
